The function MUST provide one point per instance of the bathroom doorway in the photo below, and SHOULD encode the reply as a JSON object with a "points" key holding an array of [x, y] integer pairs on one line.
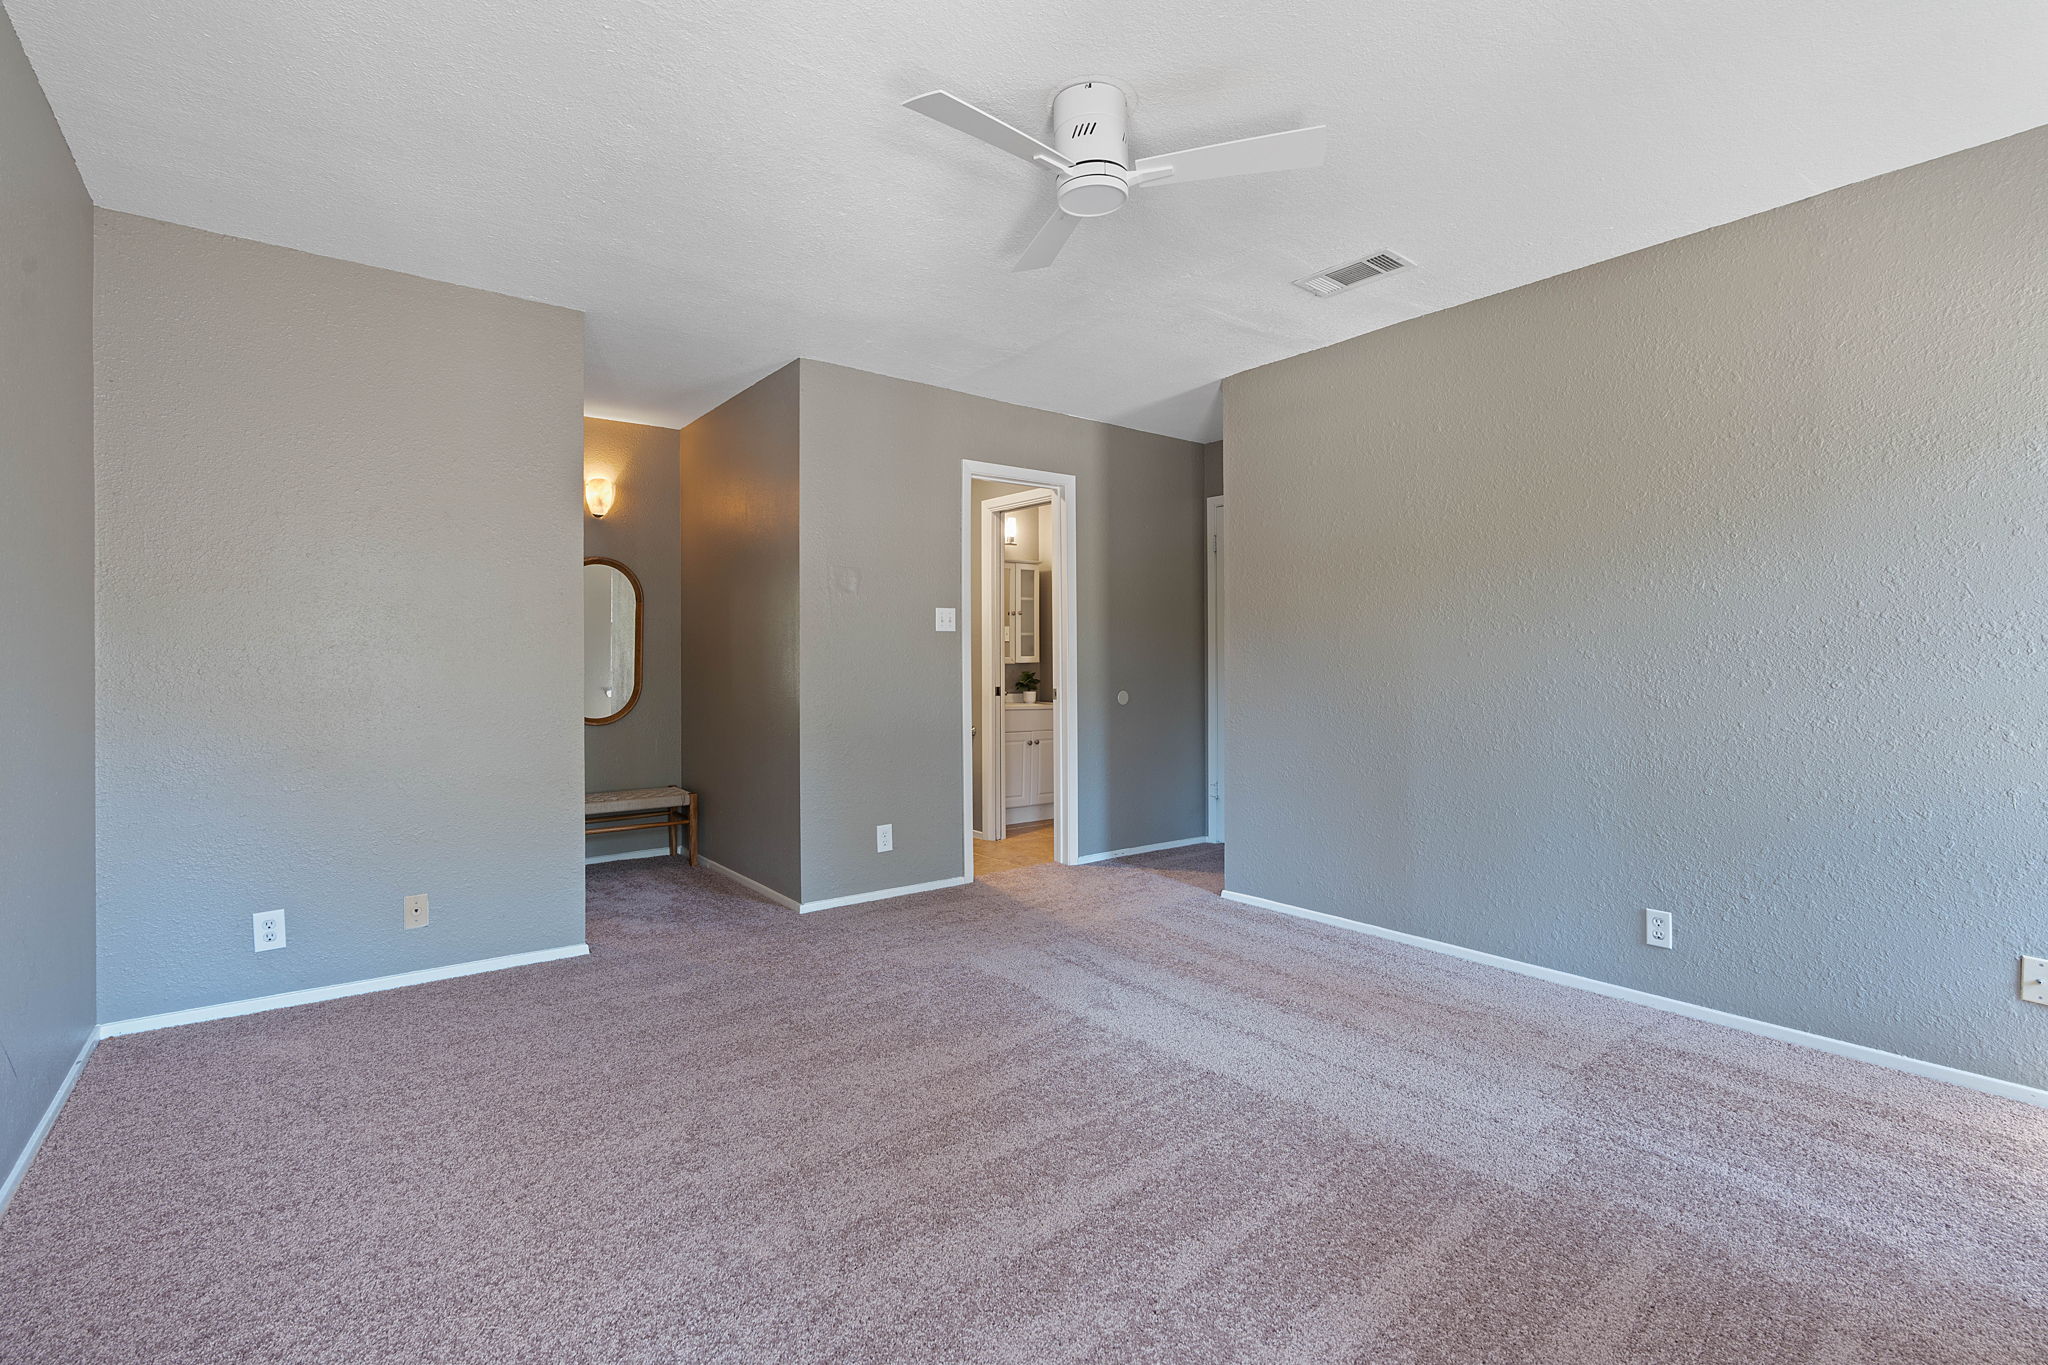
{"points": [[1018, 667]]}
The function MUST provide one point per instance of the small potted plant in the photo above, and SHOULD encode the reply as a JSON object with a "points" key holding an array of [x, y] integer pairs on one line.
{"points": [[1026, 686]]}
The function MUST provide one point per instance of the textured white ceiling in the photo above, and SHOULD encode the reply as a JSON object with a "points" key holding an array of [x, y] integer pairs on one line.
{"points": [[723, 187]]}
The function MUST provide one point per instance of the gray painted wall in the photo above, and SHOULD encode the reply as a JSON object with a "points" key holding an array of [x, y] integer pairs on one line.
{"points": [[643, 748], [46, 663], [739, 629], [339, 618], [881, 688], [1212, 470], [1710, 579]]}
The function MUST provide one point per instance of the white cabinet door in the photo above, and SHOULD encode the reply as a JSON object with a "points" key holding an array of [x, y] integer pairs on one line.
{"points": [[1018, 771], [1027, 771], [1020, 613]]}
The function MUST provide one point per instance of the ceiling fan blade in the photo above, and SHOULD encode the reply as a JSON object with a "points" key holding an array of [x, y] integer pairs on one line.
{"points": [[1048, 242], [1289, 151], [958, 113]]}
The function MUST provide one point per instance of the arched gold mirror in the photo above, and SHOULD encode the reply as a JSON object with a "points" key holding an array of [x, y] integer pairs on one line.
{"points": [[611, 640]]}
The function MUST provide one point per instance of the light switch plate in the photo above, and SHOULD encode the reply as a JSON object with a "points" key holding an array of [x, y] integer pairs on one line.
{"points": [[2034, 980], [945, 619]]}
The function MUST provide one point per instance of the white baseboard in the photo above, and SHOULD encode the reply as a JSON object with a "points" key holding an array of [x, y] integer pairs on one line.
{"points": [[862, 897], [312, 995], [831, 903], [42, 1128], [1990, 1085], [661, 852], [786, 902], [1142, 848]]}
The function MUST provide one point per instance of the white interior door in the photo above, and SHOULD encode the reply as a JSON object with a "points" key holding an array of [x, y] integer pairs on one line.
{"points": [[1218, 700], [991, 625]]}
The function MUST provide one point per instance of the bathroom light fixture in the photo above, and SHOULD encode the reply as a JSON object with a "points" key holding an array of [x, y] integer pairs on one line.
{"points": [[598, 495], [1009, 528]]}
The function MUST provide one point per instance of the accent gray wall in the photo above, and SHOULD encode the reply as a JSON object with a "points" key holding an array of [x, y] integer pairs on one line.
{"points": [[739, 629], [339, 618], [881, 468], [1709, 578], [1212, 470], [46, 659], [643, 531]]}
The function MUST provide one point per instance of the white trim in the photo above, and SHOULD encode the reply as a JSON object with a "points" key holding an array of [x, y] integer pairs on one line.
{"points": [[42, 1128], [888, 893], [638, 853], [1066, 558], [1971, 1080], [315, 994], [1212, 795], [1143, 848], [786, 902]]}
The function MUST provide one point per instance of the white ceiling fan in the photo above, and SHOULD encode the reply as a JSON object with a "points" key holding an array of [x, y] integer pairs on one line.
{"points": [[1093, 161]]}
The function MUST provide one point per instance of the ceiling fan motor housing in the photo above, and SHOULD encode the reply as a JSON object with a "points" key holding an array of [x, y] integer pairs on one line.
{"points": [[1089, 124]]}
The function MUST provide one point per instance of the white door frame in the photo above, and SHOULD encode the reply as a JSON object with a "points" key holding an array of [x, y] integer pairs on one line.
{"points": [[994, 593], [1066, 638], [1214, 558]]}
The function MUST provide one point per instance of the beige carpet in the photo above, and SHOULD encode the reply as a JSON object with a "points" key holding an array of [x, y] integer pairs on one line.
{"points": [[1196, 864], [1061, 1115]]}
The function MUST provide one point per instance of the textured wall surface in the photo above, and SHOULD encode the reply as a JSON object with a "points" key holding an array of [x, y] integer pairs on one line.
{"points": [[46, 867], [881, 687], [339, 618], [739, 629], [1212, 469], [643, 532], [1709, 579]]}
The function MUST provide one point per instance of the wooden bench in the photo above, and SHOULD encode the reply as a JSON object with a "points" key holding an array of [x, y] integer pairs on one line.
{"points": [[676, 807]]}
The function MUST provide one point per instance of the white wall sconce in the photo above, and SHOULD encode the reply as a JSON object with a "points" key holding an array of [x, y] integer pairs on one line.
{"points": [[598, 495], [1009, 528]]}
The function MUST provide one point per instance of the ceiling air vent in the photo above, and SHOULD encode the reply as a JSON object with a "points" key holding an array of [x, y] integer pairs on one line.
{"points": [[1337, 280]]}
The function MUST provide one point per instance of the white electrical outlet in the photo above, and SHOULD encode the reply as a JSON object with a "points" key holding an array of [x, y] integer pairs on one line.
{"points": [[944, 619], [416, 912], [1657, 928], [885, 838], [2034, 980], [269, 926]]}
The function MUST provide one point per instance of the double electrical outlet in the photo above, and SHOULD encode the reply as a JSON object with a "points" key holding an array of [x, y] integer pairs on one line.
{"points": [[269, 924]]}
